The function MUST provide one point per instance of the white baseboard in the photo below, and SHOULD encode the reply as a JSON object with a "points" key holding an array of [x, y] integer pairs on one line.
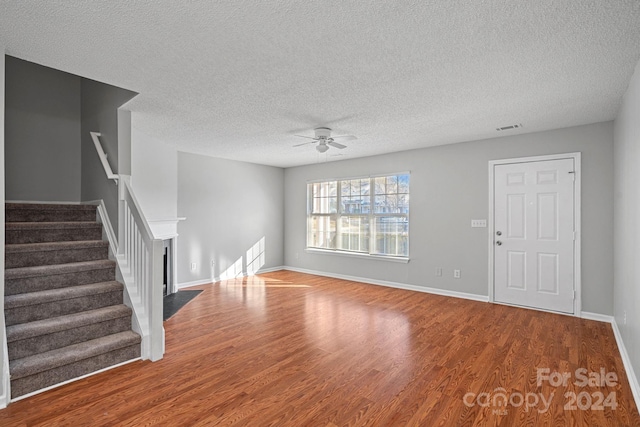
{"points": [[217, 279], [267, 270], [597, 317], [397, 285], [626, 361], [195, 283]]}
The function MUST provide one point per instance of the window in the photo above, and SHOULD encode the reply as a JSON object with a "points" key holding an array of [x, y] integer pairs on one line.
{"points": [[361, 215]]}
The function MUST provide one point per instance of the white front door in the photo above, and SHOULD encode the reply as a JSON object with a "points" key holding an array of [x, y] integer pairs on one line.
{"points": [[534, 234]]}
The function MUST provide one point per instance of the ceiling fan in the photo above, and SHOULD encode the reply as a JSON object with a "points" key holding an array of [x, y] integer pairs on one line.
{"points": [[324, 139]]}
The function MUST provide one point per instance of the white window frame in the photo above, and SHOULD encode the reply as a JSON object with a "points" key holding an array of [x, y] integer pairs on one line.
{"points": [[372, 215]]}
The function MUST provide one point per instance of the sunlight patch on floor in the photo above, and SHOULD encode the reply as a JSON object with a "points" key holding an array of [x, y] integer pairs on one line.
{"points": [[258, 282]]}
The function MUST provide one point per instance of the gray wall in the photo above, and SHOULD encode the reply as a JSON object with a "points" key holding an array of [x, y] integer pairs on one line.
{"points": [[230, 206], [100, 103], [627, 220], [49, 154], [42, 134], [449, 187]]}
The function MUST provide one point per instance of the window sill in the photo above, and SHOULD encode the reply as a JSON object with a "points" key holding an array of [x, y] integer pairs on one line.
{"points": [[403, 260]]}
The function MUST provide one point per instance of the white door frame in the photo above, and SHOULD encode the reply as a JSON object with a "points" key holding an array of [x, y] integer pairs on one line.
{"points": [[577, 302]]}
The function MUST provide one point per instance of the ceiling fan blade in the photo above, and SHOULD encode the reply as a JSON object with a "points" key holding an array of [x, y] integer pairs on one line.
{"points": [[302, 136], [337, 145], [304, 143], [345, 137]]}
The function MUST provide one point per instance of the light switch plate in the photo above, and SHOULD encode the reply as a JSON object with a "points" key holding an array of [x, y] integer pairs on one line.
{"points": [[479, 223]]}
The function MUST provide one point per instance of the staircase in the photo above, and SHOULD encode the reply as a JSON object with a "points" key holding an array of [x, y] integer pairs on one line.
{"points": [[64, 310]]}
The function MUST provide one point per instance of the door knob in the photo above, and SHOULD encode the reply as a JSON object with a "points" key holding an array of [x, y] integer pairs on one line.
{"points": [[499, 243], [499, 233]]}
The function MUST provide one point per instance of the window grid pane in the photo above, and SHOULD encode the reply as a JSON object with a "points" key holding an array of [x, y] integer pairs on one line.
{"points": [[324, 197], [392, 235], [392, 194], [355, 196], [354, 233], [321, 232]]}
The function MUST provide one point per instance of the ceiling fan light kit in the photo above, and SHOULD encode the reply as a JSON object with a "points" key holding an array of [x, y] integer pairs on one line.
{"points": [[322, 147]]}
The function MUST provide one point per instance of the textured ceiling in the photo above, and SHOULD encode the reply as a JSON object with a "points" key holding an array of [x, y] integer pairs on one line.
{"points": [[236, 79]]}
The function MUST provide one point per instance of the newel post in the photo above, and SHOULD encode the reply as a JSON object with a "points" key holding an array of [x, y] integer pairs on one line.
{"points": [[155, 295]]}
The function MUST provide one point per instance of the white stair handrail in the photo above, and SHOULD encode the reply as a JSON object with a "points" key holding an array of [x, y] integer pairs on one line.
{"points": [[103, 157], [139, 256]]}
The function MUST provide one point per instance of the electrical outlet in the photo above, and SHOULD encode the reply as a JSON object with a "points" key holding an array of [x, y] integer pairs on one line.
{"points": [[439, 272], [297, 255], [456, 274], [193, 266], [213, 263], [624, 317]]}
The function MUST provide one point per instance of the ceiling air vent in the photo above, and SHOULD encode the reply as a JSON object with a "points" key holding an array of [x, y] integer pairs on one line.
{"points": [[519, 125]]}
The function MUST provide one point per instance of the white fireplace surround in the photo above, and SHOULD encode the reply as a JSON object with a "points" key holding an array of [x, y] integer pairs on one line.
{"points": [[167, 229]]}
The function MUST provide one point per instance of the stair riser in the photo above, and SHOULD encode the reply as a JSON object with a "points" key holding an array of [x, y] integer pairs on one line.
{"points": [[64, 256], [22, 386], [30, 313], [35, 345], [52, 235], [42, 283], [33, 215]]}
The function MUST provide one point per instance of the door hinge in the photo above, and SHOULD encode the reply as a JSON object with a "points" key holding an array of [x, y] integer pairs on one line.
{"points": [[573, 175], [574, 236], [574, 294]]}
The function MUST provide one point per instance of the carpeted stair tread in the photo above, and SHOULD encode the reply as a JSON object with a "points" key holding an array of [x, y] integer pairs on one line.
{"points": [[51, 295], [48, 270], [50, 206], [54, 246], [40, 336], [40, 232], [52, 253], [52, 225], [56, 324], [36, 212], [35, 364], [43, 277]]}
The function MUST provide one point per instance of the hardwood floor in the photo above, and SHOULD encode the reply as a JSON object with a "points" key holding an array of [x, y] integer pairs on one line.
{"points": [[290, 349]]}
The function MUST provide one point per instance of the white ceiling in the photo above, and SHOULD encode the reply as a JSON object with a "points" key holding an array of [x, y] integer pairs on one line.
{"points": [[236, 79]]}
